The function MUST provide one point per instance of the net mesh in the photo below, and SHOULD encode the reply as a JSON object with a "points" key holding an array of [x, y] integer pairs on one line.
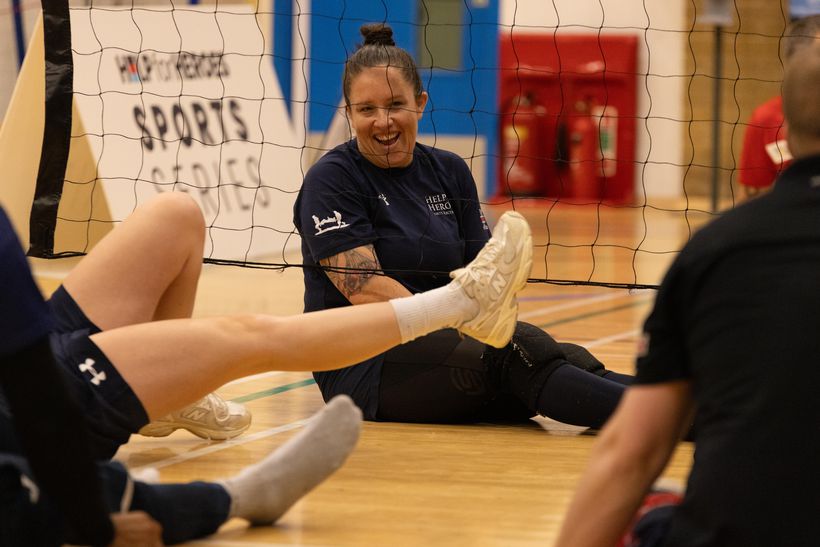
{"points": [[233, 102]]}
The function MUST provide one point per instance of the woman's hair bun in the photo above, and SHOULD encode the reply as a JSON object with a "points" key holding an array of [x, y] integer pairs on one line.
{"points": [[377, 34]]}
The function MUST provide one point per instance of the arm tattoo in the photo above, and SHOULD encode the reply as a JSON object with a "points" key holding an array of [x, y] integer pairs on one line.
{"points": [[351, 283]]}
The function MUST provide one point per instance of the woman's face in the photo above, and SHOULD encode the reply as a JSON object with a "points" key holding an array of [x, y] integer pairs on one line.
{"points": [[385, 114]]}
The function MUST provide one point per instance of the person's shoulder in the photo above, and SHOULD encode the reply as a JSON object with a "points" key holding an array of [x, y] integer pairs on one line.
{"points": [[439, 154], [444, 160], [343, 154], [732, 229], [340, 160], [769, 112]]}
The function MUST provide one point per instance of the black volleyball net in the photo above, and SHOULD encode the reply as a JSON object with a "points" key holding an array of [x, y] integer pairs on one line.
{"points": [[616, 128]]}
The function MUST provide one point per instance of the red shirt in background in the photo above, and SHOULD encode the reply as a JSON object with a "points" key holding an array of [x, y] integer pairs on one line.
{"points": [[765, 152]]}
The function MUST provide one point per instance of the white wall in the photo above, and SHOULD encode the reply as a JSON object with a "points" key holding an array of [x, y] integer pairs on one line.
{"points": [[661, 55], [8, 45]]}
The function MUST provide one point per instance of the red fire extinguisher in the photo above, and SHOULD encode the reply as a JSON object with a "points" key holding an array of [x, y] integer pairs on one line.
{"points": [[606, 121], [521, 165], [584, 155]]}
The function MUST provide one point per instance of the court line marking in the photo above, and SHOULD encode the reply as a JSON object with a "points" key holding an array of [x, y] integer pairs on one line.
{"points": [[613, 338], [548, 297], [223, 445], [570, 305], [273, 391], [628, 305], [253, 377], [227, 543]]}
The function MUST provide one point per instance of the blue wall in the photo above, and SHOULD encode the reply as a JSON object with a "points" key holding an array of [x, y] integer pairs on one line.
{"points": [[462, 102]]}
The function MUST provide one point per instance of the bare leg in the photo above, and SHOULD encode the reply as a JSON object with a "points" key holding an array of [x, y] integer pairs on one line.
{"points": [[146, 269], [179, 361]]}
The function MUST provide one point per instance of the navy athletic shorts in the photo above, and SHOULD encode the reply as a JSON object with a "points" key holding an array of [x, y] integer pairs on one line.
{"points": [[112, 410]]}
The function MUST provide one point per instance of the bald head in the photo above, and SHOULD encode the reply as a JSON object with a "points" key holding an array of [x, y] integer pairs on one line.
{"points": [[799, 34], [801, 100]]}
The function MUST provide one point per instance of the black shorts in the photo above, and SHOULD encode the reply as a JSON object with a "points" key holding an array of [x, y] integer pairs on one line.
{"points": [[112, 410]]}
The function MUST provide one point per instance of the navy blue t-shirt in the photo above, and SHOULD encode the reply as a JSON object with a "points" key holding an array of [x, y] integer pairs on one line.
{"points": [[424, 220], [25, 317]]}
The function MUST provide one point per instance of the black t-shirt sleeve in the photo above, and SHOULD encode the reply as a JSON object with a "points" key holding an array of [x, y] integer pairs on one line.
{"points": [[662, 356], [331, 212], [24, 316]]}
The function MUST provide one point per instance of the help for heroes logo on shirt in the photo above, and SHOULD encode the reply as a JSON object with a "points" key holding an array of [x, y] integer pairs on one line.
{"points": [[439, 204]]}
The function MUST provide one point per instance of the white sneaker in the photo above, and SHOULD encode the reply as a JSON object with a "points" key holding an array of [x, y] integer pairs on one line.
{"points": [[209, 418], [494, 278]]}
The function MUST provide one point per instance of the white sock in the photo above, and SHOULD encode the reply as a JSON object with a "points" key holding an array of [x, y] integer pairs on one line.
{"points": [[433, 310], [263, 492], [148, 475]]}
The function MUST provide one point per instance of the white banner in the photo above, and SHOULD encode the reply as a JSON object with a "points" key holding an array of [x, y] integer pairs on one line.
{"points": [[186, 100]]}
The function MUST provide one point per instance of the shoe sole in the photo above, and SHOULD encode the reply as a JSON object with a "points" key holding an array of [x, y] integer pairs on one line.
{"points": [[523, 250], [158, 430]]}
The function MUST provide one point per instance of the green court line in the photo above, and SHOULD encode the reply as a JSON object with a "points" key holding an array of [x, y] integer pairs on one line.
{"points": [[273, 391], [311, 381]]}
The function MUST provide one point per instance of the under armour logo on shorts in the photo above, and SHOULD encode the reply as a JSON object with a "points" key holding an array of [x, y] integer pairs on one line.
{"points": [[88, 366]]}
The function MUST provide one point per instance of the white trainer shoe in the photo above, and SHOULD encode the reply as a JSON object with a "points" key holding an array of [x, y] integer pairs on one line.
{"points": [[494, 278], [210, 418]]}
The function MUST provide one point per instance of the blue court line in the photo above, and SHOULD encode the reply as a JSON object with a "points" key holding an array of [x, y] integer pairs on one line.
{"points": [[273, 391]]}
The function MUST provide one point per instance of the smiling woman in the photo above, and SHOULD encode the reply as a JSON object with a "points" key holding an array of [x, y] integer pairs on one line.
{"points": [[385, 117], [384, 99], [383, 203]]}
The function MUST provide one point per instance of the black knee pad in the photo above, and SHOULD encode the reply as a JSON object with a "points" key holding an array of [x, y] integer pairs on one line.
{"points": [[580, 357], [522, 367]]}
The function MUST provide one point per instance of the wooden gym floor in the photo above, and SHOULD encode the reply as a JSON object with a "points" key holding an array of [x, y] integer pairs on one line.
{"points": [[433, 485]]}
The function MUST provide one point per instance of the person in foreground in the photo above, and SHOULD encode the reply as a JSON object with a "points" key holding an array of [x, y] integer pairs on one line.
{"points": [[384, 203], [74, 393], [733, 337]]}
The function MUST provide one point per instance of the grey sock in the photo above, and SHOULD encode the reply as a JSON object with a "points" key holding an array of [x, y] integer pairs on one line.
{"points": [[263, 492]]}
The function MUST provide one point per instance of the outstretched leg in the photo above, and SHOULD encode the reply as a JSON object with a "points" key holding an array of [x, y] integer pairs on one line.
{"points": [[580, 357], [170, 363]]}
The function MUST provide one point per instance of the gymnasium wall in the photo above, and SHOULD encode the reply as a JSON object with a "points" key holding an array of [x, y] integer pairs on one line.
{"points": [[9, 57], [681, 87], [752, 71]]}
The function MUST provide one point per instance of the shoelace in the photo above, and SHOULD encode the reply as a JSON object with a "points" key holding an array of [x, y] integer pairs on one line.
{"points": [[217, 406], [481, 268]]}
